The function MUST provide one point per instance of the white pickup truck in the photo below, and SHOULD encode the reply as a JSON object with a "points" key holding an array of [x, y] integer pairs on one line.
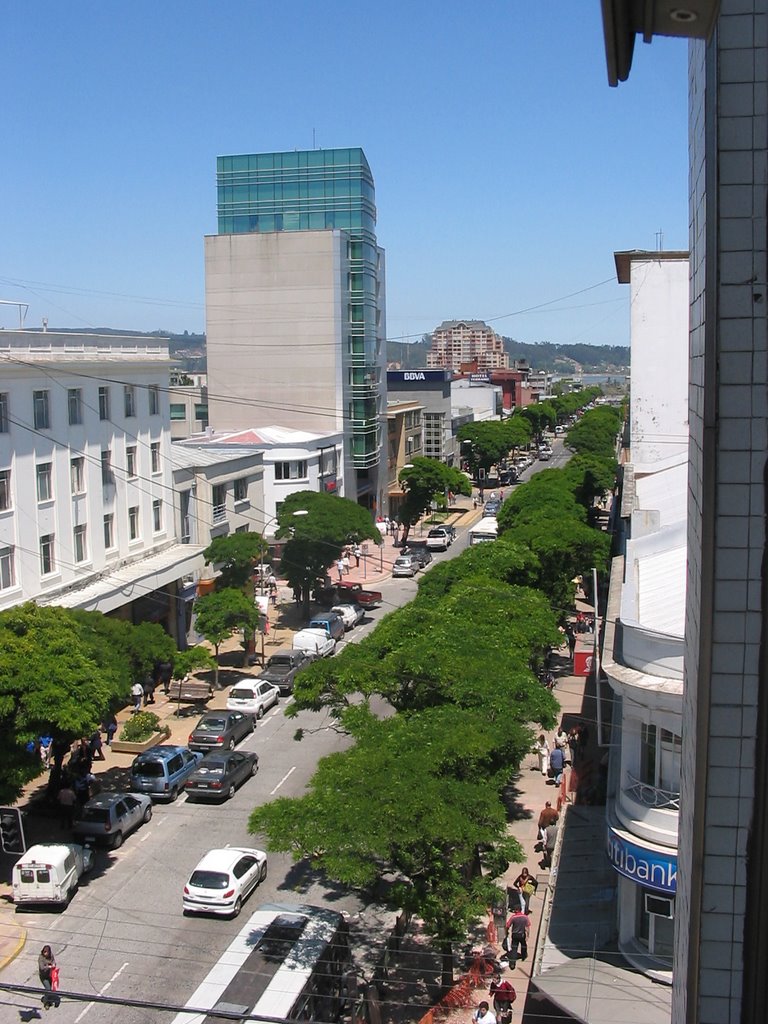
{"points": [[440, 538]]}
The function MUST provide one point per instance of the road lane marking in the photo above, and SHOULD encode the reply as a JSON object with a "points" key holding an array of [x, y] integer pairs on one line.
{"points": [[284, 778], [101, 992]]}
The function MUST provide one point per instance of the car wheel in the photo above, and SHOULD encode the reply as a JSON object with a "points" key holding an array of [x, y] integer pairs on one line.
{"points": [[260, 712], [231, 791], [231, 744], [254, 767], [263, 872], [117, 840], [237, 907], [174, 794], [147, 815], [252, 723]]}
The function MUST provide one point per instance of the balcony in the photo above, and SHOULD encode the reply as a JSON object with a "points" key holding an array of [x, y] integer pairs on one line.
{"points": [[219, 513], [652, 796], [649, 812]]}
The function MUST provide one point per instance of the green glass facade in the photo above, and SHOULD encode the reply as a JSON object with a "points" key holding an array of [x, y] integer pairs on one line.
{"points": [[313, 190]]}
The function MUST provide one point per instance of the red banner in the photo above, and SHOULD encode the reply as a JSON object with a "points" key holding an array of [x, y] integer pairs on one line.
{"points": [[583, 663]]}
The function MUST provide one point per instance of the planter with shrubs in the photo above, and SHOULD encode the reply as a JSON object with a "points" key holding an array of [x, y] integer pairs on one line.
{"points": [[140, 733]]}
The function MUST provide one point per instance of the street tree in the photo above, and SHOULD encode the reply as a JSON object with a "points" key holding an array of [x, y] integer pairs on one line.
{"points": [[503, 560], [235, 556], [483, 444], [444, 840], [191, 660], [595, 433], [541, 416], [219, 614], [318, 526], [590, 477], [425, 481], [58, 676]]}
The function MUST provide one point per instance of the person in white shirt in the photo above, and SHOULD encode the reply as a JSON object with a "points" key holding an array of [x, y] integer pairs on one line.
{"points": [[483, 1015]]}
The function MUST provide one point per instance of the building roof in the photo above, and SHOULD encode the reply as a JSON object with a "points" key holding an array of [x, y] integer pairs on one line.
{"points": [[624, 260], [190, 457], [257, 437]]}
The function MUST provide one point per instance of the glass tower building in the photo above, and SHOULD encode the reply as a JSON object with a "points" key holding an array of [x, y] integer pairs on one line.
{"points": [[325, 191]]}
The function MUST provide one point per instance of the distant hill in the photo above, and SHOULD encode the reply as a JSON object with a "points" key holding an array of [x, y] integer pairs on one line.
{"points": [[544, 355]]}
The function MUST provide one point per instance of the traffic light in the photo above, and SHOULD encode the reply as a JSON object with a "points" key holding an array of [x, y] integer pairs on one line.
{"points": [[11, 831]]}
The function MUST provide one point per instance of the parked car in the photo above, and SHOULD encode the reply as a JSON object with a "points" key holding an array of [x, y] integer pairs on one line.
{"points": [[315, 642], [332, 623], [220, 730], [110, 817], [421, 553], [162, 771], [223, 880], [491, 508], [49, 873], [545, 454], [405, 565], [439, 538], [282, 667], [252, 696], [361, 595], [350, 614], [220, 773]]}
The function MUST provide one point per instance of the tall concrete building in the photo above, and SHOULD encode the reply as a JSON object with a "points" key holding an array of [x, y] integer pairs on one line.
{"points": [[721, 928], [295, 305], [458, 343]]}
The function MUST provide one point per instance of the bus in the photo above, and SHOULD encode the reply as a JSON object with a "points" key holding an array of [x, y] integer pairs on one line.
{"points": [[289, 962], [484, 530]]}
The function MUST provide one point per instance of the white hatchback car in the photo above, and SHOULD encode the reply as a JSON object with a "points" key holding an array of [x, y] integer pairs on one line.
{"points": [[223, 880], [350, 614], [252, 696]]}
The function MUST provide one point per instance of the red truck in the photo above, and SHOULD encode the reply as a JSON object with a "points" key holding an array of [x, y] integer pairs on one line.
{"points": [[351, 593]]}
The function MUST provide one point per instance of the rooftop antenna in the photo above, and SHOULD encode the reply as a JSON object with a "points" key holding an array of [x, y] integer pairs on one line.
{"points": [[659, 241]]}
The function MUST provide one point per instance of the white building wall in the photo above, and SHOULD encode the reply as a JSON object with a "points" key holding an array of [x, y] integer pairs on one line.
{"points": [[56, 363]]}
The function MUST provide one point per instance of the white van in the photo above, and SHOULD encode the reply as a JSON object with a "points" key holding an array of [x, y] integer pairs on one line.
{"points": [[50, 873], [486, 529]]}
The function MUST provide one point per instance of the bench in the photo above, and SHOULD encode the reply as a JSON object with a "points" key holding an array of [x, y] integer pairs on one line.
{"points": [[190, 691]]}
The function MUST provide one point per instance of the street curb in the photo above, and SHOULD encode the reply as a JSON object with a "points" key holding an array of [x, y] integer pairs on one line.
{"points": [[20, 943]]}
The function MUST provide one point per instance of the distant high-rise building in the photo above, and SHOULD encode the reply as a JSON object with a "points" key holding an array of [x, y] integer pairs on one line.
{"points": [[295, 306], [458, 342]]}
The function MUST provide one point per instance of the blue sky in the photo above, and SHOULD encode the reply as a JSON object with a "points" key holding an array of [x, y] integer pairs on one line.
{"points": [[507, 171]]}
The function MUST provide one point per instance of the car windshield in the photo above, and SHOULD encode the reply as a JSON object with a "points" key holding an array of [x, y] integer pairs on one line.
{"points": [[436, 533], [211, 725], [210, 768], [95, 814], [209, 880], [148, 769], [241, 694]]}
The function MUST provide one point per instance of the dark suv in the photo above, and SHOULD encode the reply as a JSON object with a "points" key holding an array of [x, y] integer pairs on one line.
{"points": [[282, 667]]}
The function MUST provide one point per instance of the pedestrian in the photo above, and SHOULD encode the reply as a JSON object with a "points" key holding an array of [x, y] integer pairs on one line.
{"points": [[48, 973], [474, 501], [523, 887], [46, 745], [109, 726], [273, 591], [137, 692], [297, 595], [481, 495], [518, 927], [81, 785], [550, 839], [501, 495], [345, 561], [340, 568], [483, 1014], [548, 816], [541, 749], [571, 637], [503, 995], [358, 554], [556, 765], [148, 688], [67, 800], [95, 744]]}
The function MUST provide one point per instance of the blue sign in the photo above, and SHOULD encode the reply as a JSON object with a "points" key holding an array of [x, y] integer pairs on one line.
{"points": [[651, 868]]}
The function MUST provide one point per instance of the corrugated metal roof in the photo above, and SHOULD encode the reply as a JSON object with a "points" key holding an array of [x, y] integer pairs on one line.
{"points": [[661, 590], [191, 457]]}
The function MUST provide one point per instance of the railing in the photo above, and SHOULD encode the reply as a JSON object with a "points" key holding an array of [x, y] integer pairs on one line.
{"points": [[652, 796], [219, 513]]}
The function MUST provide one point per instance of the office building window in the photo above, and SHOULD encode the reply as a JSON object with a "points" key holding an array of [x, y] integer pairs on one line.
{"points": [[41, 412], [130, 460], [109, 531], [80, 546], [7, 570], [242, 529], [178, 411], [154, 400], [294, 470], [157, 515], [4, 414], [5, 490], [103, 403], [129, 399], [155, 452], [44, 482], [201, 414], [219, 502], [107, 476], [77, 475], [241, 489], [47, 560], [133, 522], [75, 405]]}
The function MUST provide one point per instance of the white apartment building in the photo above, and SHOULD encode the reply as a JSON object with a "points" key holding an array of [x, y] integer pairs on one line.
{"points": [[644, 636], [86, 490], [459, 342], [285, 460]]}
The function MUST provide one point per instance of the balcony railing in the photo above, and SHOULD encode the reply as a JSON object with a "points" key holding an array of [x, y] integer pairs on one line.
{"points": [[219, 513], [652, 796]]}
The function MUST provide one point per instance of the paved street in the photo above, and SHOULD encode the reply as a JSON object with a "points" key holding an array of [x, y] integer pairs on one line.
{"points": [[124, 933]]}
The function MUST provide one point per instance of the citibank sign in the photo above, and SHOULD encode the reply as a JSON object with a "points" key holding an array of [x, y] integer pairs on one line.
{"points": [[647, 867]]}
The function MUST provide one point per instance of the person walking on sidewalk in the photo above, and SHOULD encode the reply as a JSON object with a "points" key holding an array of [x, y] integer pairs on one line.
{"points": [[518, 928], [503, 995], [137, 692], [550, 840], [483, 1014], [48, 973], [541, 749], [547, 817], [556, 765]]}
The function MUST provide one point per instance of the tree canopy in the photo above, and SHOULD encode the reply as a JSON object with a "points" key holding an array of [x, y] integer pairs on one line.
{"points": [[235, 554], [424, 481], [219, 614]]}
